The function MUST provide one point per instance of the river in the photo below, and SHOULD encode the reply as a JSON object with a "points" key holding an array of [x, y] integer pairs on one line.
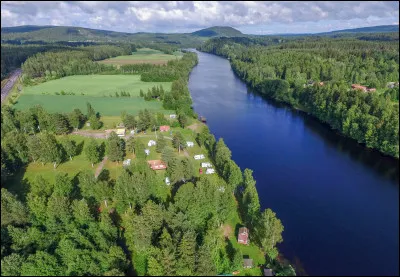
{"points": [[338, 201]]}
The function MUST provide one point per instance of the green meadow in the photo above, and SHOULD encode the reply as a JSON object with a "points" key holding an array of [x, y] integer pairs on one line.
{"points": [[143, 55], [95, 85], [95, 89]]}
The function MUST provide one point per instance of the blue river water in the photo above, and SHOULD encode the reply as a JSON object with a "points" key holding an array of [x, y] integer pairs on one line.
{"points": [[338, 201]]}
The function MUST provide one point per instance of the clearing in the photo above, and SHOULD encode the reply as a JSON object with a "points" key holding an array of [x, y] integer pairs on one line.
{"points": [[143, 55]]}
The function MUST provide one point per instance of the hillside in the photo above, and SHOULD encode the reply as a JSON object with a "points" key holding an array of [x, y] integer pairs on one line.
{"points": [[220, 31], [66, 33]]}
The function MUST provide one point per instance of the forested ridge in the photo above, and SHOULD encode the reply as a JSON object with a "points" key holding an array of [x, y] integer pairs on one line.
{"points": [[291, 72]]}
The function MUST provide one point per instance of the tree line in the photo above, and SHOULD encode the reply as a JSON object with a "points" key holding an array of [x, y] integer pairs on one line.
{"points": [[283, 72]]}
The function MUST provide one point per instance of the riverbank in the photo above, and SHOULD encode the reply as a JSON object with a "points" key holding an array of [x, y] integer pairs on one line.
{"points": [[352, 113], [329, 191]]}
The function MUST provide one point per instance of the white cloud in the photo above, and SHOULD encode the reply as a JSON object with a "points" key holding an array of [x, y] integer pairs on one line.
{"points": [[180, 16]]}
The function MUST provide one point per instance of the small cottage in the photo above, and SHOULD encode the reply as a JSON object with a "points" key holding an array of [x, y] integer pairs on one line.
{"points": [[172, 116], [121, 132], [243, 236], [151, 143], [248, 263], [157, 164], [147, 151], [164, 128], [167, 181], [126, 162]]}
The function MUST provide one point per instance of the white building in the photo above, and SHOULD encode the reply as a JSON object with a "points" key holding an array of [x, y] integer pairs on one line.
{"points": [[147, 151], [172, 116], [126, 162], [210, 171], [199, 157], [151, 143], [206, 165], [189, 143], [167, 181]]}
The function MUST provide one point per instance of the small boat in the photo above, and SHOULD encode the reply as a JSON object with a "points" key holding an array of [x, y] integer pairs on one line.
{"points": [[203, 119]]}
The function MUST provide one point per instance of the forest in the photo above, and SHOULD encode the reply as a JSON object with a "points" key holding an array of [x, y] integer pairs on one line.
{"points": [[82, 225], [316, 74]]}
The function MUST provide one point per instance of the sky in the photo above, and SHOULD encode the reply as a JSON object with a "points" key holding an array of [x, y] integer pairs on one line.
{"points": [[250, 17]]}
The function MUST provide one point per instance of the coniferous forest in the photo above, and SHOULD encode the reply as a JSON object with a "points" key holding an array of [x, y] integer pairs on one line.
{"points": [[315, 74]]}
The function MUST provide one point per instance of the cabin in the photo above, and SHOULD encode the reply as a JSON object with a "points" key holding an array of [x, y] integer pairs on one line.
{"points": [[126, 162], [200, 170], [147, 151], [198, 157], [210, 171], [392, 84], [363, 88], [189, 143], [172, 116], [268, 272], [157, 164], [164, 128], [243, 236], [151, 143], [206, 165], [248, 263], [121, 132], [357, 86], [167, 181]]}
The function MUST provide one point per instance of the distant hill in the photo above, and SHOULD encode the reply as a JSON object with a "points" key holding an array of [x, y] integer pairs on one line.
{"points": [[373, 29], [363, 30], [220, 31], [67, 33]]}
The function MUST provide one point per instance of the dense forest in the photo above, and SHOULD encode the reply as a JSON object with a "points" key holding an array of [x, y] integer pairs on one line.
{"points": [[14, 55], [316, 75]]}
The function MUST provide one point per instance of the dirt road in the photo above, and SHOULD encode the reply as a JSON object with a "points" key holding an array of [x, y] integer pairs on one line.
{"points": [[10, 83]]}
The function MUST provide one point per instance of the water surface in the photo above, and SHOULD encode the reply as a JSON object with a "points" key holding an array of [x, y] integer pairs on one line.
{"points": [[338, 201]]}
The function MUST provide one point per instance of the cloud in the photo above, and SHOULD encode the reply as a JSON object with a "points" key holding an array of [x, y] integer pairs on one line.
{"points": [[186, 16]]}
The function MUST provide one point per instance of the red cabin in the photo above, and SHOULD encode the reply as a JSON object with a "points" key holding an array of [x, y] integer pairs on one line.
{"points": [[201, 170]]}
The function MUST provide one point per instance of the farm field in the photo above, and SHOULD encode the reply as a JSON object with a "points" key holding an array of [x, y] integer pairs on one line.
{"points": [[95, 85], [143, 55], [96, 90], [107, 106]]}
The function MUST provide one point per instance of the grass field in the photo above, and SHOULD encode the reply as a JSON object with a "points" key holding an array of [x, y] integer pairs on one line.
{"points": [[95, 85], [109, 106], [96, 90], [143, 55]]}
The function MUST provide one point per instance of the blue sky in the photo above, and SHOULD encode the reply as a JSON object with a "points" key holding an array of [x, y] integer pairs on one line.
{"points": [[250, 17]]}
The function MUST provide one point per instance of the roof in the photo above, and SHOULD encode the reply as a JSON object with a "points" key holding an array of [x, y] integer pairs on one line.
{"points": [[268, 272], [243, 235], [243, 230], [248, 262], [121, 131], [157, 164], [164, 127]]}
